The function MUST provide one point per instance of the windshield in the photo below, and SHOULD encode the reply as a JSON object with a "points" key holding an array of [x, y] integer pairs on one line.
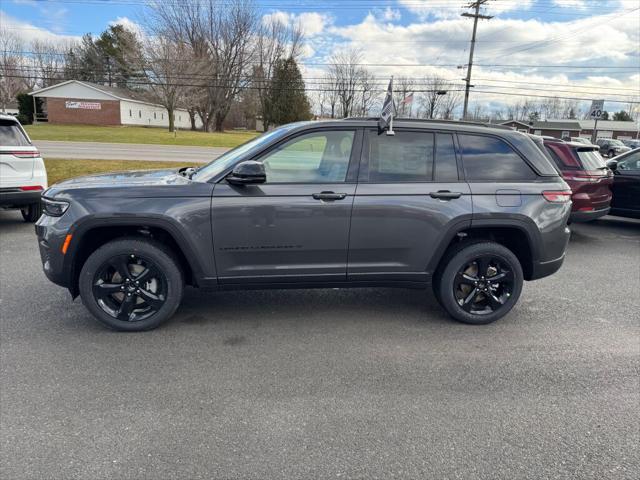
{"points": [[227, 159], [616, 142], [591, 160]]}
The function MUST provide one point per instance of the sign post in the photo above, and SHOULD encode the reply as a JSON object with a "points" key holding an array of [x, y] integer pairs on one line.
{"points": [[595, 113]]}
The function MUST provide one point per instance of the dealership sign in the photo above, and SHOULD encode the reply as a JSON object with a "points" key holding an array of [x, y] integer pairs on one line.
{"points": [[83, 105]]}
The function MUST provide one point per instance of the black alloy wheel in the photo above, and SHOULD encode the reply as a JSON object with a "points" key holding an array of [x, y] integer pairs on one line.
{"points": [[131, 284], [483, 285], [480, 282], [130, 288]]}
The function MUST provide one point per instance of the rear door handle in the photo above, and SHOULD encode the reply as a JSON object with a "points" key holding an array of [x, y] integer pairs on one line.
{"points": [[445, 194], [329, 196]]}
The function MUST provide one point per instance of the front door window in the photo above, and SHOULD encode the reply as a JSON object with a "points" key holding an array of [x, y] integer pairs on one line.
{"points": [[319, 157]]}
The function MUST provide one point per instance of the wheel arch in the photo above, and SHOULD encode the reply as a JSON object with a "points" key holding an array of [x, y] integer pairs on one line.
{"points": [[92, 233], [517, 235]]}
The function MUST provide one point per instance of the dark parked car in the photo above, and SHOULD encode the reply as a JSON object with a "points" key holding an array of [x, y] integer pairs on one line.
{"points": [[611, 147], [585, 171], [471, 209], [626, 184], [634, 143]]}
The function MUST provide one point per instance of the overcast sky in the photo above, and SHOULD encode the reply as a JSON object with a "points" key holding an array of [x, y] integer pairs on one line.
{"points": [[572, 48]]}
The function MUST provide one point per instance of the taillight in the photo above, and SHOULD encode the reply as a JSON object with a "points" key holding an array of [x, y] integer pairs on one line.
{"points": [[31, 188], [560, 196], [581, 178], [23, 153]]}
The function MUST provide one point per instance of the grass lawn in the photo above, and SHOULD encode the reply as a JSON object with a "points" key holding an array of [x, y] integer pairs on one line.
{"points": [[159, 136], [60, 169]]}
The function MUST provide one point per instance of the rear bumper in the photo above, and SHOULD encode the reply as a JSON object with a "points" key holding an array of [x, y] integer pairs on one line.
{"points": [[13, 198], [587, 216], [544, 269]]}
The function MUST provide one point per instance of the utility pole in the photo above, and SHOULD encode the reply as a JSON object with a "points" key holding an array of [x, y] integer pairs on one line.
{"points": [[475, 17]]}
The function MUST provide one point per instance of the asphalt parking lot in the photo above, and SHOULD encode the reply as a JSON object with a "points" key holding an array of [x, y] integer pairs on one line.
{"points": [[371, 383]]}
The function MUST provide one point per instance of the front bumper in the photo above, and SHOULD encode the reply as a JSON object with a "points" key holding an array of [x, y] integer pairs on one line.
{"points": [[589, 215], [13, 198], [50, 241]]}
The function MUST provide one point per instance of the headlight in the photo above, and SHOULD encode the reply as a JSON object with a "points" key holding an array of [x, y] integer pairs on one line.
{"points": [[54, 208]]}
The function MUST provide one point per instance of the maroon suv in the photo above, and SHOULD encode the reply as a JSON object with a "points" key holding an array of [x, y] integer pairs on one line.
{"points": [[585, 171]]}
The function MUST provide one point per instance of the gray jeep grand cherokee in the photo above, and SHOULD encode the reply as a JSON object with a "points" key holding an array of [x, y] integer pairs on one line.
{"points": [[471, 209]]}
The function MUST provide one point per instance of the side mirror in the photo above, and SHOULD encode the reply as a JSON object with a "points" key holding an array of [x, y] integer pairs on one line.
{"points": [[247, 173], [613, 165]]}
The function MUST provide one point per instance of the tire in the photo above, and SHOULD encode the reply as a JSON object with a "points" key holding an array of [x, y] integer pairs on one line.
{"points": [[486, 300], [103, 285], [31, 213]]}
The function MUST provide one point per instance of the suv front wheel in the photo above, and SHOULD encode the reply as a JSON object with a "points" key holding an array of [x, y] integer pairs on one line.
{"points": [[131, 284], [480, 282]]}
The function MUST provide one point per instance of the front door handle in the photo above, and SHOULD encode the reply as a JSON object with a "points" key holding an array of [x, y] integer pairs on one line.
{"points": [[445, 194], [329, 196]]}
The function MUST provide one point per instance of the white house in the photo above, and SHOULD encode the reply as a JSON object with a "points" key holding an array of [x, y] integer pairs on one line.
{"points": [[86, 103]]}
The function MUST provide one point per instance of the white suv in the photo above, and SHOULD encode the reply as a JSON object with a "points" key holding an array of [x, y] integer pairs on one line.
{"points": [[23, 177]]}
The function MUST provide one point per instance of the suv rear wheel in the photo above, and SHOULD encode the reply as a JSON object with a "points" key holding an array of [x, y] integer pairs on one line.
{"points": [[480, 282], [31, 213], [131, 284]]}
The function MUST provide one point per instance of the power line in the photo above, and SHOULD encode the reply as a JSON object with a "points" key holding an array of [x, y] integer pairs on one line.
{"points": [[365, 64], [357, 90]]}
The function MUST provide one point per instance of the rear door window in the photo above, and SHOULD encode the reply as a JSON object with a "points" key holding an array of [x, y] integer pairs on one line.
{"points": [[492, 159], [406, 156], [11, 135]]}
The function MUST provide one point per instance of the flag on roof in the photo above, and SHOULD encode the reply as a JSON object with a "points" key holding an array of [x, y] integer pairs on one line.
{"points": [[387, 108]]}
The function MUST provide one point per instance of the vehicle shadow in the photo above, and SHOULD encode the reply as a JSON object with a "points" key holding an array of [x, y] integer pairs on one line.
{"points": [[11, 217], [309, 306], [605, 229]]}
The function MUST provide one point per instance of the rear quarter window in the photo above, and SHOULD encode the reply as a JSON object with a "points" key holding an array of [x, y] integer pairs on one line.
{"points": [[11, 135], [492, 159]]}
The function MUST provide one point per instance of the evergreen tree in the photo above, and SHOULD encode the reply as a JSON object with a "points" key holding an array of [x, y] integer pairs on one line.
{"points": [[111, 59], [622, 116], [286, 99]]}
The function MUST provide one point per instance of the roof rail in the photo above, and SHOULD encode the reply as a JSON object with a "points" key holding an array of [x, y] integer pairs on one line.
{"points": [[435, 120]]}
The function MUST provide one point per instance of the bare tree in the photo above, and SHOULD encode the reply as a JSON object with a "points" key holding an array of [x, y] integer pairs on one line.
{"points": [[329, 100], [11, 68], [367, 92], [49, 60], [345, 74], [450, 103], [275, 42], [431, 99], [165, 70], [221, 36]]}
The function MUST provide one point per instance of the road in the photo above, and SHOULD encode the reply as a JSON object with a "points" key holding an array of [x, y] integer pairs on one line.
{"points": [[126, 151], [369, 383]]}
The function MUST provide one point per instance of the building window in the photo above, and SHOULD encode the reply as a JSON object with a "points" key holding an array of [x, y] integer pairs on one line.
{"points": [[154, 115], [163, 116], [179, 118], [130, 114], [139, 113]]}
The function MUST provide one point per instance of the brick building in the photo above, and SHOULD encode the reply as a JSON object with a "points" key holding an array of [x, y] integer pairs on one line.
{"points": [[577, 128], [86, 103]]}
